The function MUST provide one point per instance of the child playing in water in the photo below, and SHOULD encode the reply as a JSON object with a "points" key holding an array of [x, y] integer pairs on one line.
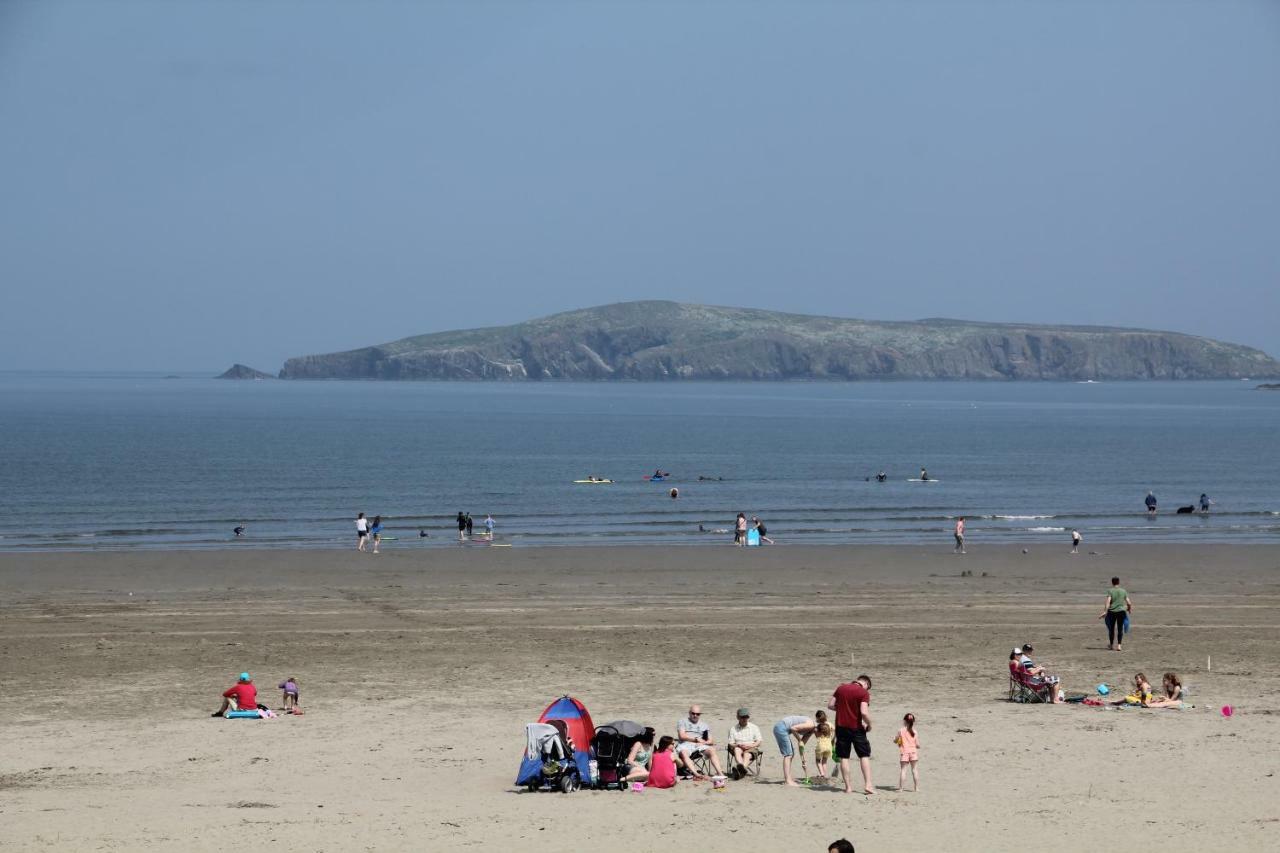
{"points": [[290, 688], [908, 752], [823, 736]]}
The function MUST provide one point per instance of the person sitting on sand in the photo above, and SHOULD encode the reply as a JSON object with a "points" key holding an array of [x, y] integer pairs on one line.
{"points": [[241, 696], [636, 768], [1172, 697], [662, 766], [799, 726], [1141, 694], [694, 738], [744, 739]]}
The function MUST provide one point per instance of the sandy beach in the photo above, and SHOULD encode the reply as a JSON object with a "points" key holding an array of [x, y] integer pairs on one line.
{"points": [[420, 668]]}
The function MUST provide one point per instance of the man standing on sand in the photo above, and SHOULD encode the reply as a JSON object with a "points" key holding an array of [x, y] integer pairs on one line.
{"points": [[1075, 541], [1151, 504], [960, 535], [1116, 613], [853, 720]]}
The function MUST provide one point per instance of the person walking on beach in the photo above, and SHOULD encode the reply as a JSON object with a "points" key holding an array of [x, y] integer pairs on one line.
{"points": [[376, 532], [851, 702], [908, 752], [1116, 611], [362, 531], [462, 526], [1075, 541], [959, 549], [1151, 504]]}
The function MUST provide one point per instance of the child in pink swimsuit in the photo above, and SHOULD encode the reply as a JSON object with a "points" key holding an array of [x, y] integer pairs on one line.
{"points": [[908, 752]]}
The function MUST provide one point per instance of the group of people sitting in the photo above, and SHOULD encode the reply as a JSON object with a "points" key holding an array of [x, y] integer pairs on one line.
{"points": [[1035, 677], [693, 751]]}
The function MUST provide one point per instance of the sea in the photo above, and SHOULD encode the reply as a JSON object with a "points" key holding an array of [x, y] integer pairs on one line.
{"points": [[119, 461]]}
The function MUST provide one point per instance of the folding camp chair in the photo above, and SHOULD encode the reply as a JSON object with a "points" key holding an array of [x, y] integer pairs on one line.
{"points": [[1024, 687], [753, 766]]}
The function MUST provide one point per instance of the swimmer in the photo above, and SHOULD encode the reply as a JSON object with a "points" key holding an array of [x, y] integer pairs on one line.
{"points": [[882, 476], [675, 493], [422, 534], [239, 531]]}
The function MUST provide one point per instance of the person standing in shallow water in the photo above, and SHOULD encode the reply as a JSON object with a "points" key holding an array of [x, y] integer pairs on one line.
{"points": [[1151, 503], [462, 526], [470, 525], [960, 535]]}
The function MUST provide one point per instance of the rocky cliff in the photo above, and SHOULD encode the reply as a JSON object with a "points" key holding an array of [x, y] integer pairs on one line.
{"points": [[668, 340]]}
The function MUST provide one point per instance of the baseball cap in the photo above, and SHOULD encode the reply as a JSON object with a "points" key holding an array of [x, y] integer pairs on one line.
{"points": [[743, 712], [244, 676], [1017, 650]]}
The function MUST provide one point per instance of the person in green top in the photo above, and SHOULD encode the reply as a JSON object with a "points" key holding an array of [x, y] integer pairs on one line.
{"points": [[1117, 609]]}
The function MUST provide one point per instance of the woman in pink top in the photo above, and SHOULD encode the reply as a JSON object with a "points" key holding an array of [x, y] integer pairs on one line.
{"points": [[908, 752], [662, 767]]}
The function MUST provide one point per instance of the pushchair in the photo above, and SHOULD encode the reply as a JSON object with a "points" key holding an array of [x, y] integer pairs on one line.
{"points": [[611, 744], [549, 760]]}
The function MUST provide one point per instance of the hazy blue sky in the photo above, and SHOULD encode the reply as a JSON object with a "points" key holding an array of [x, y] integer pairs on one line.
{"points": [[188, 184]]}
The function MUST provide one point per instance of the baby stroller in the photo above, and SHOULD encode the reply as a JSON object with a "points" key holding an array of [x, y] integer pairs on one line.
{"points": [[549, 760], [611, 745]]}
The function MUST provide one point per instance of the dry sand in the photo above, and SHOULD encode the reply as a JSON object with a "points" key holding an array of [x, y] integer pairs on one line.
{"points": [[419, 669]]}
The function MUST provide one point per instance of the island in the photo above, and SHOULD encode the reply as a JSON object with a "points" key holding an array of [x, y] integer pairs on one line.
{"points": [[240, 371], [675, 341]]}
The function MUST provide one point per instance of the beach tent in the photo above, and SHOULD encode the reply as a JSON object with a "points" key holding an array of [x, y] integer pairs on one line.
{"points": [[577, 721]]}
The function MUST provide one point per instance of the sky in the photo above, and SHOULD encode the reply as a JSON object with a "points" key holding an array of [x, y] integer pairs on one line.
{"points": [[187, 185]]}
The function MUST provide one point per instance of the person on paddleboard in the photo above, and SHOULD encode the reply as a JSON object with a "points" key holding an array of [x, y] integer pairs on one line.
{"points": [[924, 475]]}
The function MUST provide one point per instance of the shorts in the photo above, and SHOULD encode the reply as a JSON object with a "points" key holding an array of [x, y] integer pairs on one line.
{"points": [[360, 534], [690, 748], [855, 739], [908, 755], [782, 735]]}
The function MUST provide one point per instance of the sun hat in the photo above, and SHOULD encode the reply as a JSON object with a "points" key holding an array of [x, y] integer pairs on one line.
{"points": [[244, 676], [743, 712], [1017, 650]]}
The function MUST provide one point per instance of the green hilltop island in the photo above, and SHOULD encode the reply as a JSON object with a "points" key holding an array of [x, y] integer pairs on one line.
{"points": [[673, 341]]}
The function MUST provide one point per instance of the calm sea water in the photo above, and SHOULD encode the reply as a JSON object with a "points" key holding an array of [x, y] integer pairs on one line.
{"points": [[140, 461]]}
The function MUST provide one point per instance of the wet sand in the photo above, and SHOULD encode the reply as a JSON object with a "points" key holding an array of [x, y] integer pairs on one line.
{"points": [[419, 669]]}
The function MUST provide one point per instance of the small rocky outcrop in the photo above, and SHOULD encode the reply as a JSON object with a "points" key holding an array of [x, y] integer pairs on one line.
{"points": [[241, 371]]}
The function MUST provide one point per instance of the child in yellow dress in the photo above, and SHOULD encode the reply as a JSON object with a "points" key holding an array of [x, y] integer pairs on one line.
{"points": [[824, 737]]}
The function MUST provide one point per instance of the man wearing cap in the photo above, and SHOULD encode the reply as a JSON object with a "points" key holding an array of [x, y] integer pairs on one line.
{"points": [[240, 696], [1031, 668], [744, 739]]}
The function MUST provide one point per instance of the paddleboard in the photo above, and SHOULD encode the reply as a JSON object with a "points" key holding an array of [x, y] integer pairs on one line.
{"points": [[918, 480], [388, 538], [594, 482]]}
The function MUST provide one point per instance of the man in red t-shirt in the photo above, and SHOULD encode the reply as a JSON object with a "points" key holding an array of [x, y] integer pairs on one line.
{"points": [[853, 721], [242, 696]]}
